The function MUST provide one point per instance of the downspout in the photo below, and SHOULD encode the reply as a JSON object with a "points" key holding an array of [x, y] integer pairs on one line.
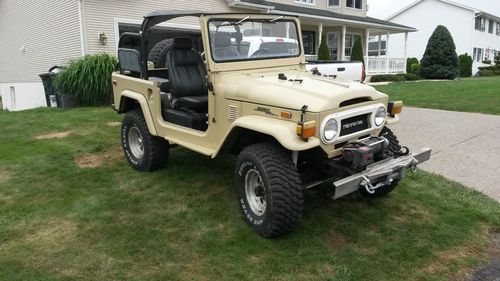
{"points": [[80, 20]]}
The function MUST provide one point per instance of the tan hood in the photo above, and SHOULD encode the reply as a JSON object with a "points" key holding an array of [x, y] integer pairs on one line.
{"points": [[318, 93]]}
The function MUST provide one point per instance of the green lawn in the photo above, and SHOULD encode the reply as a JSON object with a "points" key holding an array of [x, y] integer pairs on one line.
{"points": [[62, 222], [469, 95]]}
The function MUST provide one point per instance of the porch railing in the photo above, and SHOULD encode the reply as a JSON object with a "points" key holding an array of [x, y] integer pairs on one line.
{"points": [[377, 65], [311, 57]]}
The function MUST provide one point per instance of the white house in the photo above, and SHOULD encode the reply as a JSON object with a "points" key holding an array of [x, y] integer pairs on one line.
{"points": [[39, 34], [474, 31]]}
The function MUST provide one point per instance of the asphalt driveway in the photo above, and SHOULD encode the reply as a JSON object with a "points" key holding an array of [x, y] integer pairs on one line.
{"points": [[465, 146]]}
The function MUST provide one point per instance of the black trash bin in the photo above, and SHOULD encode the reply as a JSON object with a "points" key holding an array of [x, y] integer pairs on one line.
{"points": [[48, 84]]}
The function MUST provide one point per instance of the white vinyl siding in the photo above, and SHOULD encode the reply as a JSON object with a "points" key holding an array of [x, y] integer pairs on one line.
{"points": [[47, 31], [100, 16]]}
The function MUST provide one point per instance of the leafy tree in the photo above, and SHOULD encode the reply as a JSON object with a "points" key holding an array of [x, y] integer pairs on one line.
{"points": [[409, 63], [324, 51], [465, 65], [357, 51], [440, 58]]}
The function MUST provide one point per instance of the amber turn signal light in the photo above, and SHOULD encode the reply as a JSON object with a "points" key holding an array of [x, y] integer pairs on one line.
{"points": [[395, 107], [286, 114], [306, 129]]}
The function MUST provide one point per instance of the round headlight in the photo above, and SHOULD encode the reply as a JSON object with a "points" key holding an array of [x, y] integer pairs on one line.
{"points": [[380, 116], [330, 130]]}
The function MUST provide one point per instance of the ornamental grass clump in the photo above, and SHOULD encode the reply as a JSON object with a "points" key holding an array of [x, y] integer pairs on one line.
{"points": [[88, 79]]}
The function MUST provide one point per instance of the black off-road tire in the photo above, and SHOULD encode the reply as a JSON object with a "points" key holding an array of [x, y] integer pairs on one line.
{"points": [[395, 149], [282, 185], [155, 149], [158, 54], [394, 146]]}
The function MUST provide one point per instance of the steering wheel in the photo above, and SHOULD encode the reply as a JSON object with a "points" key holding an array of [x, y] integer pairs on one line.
{"points": [[261, 52]]}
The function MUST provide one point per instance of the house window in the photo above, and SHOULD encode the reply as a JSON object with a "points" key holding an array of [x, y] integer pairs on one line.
{"points": [[349, 42], [480, 24], [332, 42], [333, 2], [490, 27], [357, 4], [478, 54], [373, 47], [498, 28], [309, 40], [308, 2]]}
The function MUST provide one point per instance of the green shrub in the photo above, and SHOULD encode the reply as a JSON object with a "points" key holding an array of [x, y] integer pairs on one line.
{"points": [[497, 60], [465, 65], [489, 70], [357, 51], [415, 69], [487, 61], [89, 79], [409, 63], [394, 77], [409, 76], [387, 78], [440, 58], [324, 51]]}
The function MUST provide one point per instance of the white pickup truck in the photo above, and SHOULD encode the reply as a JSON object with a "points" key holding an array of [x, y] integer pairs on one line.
{"points": [[347, 70]]}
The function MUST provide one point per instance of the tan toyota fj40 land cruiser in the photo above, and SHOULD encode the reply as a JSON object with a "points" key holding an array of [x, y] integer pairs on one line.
{"points": [[205, 90]]}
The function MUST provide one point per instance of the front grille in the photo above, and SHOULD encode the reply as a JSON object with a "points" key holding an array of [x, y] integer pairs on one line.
{"points": [[354, 124]]}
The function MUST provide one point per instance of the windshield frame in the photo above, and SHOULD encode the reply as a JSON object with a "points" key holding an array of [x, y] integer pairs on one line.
{"points": [[257, 19]]}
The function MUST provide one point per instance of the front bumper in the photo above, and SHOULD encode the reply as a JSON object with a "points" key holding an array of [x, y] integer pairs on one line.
{"points": [[382, 172]]}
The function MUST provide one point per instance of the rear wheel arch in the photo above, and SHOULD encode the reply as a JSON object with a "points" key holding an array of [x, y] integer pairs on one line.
{"points": [[128, 103]]}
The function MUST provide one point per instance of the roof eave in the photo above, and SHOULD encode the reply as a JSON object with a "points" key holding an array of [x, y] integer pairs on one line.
{"points": [[268, 8], [345, 21]]}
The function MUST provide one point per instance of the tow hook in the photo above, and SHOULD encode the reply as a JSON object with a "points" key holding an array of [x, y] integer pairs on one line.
{"points": [[413, 165], [371, 188]]}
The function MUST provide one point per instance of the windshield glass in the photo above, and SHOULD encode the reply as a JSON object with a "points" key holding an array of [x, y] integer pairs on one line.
{"points": [[251, 39]]}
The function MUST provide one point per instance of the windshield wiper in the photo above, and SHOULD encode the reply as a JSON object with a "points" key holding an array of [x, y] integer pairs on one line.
{"points": [[226, 23], [242, 20], [275, 19]]}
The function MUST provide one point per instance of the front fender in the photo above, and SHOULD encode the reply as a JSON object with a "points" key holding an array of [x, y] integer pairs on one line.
{"points": [[144, 107], [283, 131]]}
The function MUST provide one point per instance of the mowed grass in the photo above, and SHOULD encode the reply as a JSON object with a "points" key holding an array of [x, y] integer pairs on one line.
{"points": [[465, 94], [62, 222]]}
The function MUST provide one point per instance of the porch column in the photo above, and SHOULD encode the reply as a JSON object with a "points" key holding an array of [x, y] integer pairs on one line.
{"points": [[342, 42], [367, 46], [379, 45], [320, 36], [406, 46], [387, 68]]}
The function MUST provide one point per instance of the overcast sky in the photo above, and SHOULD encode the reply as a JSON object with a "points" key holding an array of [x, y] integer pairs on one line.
{"points": [[383, 8]]}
